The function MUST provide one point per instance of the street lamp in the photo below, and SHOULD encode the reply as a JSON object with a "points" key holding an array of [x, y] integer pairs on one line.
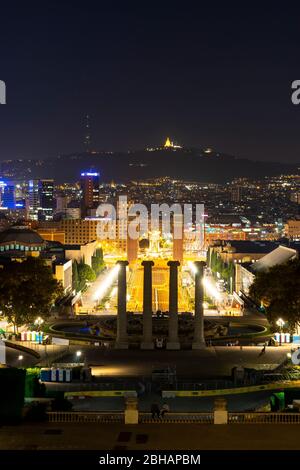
{"points": [[20, 359], [78, 355], [280, 323], [39, 321]]}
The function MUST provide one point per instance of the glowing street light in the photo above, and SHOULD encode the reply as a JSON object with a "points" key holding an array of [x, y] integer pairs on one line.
{"points": [[39, 321], [20, 359], [280, 323], [78, 355]]}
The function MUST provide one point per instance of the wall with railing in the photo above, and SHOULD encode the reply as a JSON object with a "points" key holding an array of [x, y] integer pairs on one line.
{"points": [[85, 417], [169, 418], [264, 418]]}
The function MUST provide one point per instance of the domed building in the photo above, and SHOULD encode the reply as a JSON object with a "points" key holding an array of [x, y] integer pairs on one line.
{"points": [[21, 240]]}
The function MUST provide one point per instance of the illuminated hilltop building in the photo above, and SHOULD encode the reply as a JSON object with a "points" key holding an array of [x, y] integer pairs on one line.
{"points": [[169, 144]]}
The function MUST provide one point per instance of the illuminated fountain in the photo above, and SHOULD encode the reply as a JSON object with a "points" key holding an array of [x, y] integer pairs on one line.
{"points": [[154, 244]]}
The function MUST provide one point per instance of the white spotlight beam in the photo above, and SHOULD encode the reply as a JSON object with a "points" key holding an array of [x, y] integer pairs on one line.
{"points": [[106, 283]]}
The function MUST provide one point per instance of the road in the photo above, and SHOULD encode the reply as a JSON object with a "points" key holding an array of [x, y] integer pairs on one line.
{"points": [[212, 362]]}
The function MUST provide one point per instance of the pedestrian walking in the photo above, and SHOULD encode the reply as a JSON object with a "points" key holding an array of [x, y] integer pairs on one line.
{"points": [[262, 351], [164, 409], [155, 411]]}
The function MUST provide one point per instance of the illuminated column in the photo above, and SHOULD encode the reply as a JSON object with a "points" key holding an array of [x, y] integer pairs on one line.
{"points": [[199, 340], [132, 249], [147, 342], [122, 336], [178, 236], [173, 340]]}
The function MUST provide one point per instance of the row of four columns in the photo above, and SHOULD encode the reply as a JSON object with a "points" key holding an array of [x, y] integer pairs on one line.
{"points": [[173, 339]]}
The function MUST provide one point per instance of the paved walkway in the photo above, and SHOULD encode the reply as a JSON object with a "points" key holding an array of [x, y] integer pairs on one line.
{"points": [[211, 362], [150, 437]]}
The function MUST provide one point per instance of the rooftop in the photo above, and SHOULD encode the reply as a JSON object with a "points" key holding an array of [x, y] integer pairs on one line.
{"points": [[20, 234], [280, 255], [247, 246]]}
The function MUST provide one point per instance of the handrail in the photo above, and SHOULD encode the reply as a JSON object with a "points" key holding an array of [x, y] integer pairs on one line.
{"points": [[178, 417], [100, 393], [173, 417], [230, 391], [19, 347], [264, 418], [85, 416]]}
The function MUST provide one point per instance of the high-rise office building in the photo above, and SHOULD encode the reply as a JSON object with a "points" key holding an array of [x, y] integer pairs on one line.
{"points": [[33, 200], [40, 203], [89, 183], [8, 197], [46, 188]]}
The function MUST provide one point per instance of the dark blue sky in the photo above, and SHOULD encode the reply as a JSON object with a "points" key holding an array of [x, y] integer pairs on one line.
{"points": [[215, 76]]}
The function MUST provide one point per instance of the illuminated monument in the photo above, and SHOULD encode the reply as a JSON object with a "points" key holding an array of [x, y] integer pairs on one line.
{"points": [[122, 335], [199, 341], [147, 342], [173, 340], [171, 145], [173, 343], [168, 143]]}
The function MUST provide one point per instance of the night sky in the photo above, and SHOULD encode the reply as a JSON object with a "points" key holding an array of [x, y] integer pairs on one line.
{"points": [[216, 76]]}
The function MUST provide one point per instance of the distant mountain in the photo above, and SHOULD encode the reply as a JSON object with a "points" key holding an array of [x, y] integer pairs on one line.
{"points": [[203, 165]]}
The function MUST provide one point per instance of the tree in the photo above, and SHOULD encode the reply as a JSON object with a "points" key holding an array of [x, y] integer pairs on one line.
{"points": [[27, 290], [85, 273], [231, 276], [278, 290], [213, 260], [97, 261]]}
